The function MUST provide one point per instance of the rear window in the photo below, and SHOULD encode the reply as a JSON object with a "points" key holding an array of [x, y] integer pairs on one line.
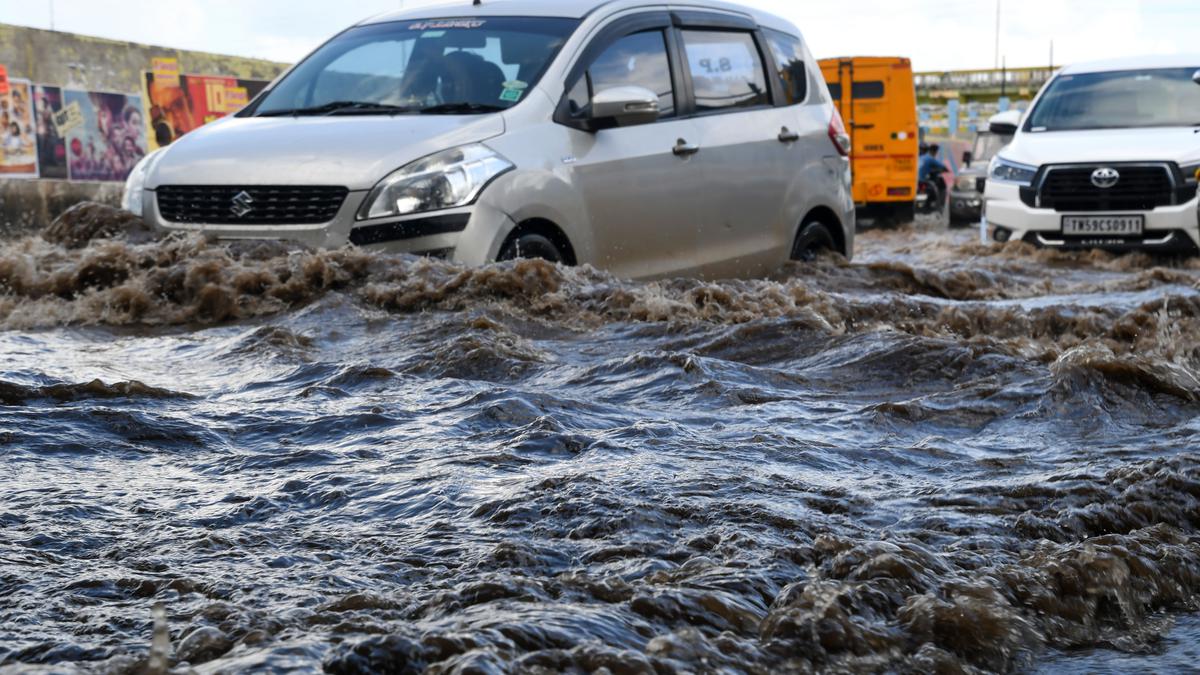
{"points": [[789, 57], [727, 71], [870, 89]]}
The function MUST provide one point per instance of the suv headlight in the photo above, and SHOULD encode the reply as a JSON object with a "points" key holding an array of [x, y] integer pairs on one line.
{"points": [[447, 180], [1011, 172], [1191, 175], [134, 198], [966, 183]]}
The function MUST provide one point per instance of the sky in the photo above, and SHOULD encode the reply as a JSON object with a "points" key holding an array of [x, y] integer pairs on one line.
{"points": [[936, 34]]}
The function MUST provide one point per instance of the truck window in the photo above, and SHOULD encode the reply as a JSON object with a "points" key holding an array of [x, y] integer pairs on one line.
{"points": [[835, 91], [867, 90], [789, 57], [727, 71]]}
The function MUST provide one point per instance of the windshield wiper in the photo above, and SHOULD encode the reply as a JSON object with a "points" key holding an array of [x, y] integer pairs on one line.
{"points": [[340, 108], [460, 108]]}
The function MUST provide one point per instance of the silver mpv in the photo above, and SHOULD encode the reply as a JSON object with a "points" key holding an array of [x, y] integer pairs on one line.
{"points": [[646, 139]]}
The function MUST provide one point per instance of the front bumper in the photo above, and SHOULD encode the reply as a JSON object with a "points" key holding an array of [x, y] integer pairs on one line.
{"points": [[966, 206], [1168, 229], [469, 234]]}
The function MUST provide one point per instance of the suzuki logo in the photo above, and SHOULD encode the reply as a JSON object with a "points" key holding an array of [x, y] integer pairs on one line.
{"points": [[1105, 178], [243, 204]]}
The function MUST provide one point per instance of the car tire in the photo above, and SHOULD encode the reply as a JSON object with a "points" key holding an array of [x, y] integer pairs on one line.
{"points": [[814, 238], [530, 246]]}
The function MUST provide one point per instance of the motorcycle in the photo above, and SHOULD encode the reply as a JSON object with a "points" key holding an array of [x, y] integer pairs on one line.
{"points": [[931, 194]]}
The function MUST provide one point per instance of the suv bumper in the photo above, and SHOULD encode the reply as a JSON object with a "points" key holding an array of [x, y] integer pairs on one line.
{"points": [[1168, 229]]}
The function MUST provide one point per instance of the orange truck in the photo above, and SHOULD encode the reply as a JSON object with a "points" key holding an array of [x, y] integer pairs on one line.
{"points": [[877, 98]]}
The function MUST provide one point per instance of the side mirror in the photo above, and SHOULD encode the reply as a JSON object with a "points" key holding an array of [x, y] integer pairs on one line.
{"points": [[626, 106], [1005, 123], [968, 158], [1196, 77], [1003, 128]]}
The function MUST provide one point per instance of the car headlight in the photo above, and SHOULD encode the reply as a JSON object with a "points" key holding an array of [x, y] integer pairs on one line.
{"points": [[965, 183], [446, 180], [133, 199], [1011, 172], [1191, 174]]}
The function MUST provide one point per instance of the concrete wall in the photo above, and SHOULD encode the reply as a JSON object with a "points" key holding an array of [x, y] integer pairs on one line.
{"points": [[95, 64]]}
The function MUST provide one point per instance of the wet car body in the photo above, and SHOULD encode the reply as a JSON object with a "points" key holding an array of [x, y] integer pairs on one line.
{"points": [[713, 192]]}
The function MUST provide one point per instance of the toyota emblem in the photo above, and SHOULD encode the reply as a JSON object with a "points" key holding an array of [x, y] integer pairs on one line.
{"points": [[1106, 178], [243, 204]]}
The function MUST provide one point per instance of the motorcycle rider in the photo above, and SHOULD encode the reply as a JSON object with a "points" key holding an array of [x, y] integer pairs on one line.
{"points": [[930, 170]]}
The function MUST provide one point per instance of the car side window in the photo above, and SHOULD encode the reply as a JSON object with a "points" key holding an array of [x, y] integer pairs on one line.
{"points": [[789, 57], [727, 70], [638, 60]]}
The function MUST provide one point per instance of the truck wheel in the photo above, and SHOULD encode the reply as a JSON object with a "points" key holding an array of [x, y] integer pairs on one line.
{"points": [[814, 238], [530, 246]]}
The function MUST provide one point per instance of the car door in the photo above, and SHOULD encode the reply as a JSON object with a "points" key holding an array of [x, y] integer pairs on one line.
{"points": [[748, 146], [638, 182]]}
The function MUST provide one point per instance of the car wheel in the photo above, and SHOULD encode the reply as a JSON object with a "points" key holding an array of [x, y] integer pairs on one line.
{"points": [[814, 238], [530, 246]]}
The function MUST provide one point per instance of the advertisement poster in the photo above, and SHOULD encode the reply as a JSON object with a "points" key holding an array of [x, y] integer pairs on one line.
{"points": [[177, 104], [51, 137], [18, 136], [106, 134]]}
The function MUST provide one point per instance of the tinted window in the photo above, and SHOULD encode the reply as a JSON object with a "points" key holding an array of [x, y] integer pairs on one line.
{"points": [[414, 65], [638, 60], [727, 71], [789, 57], [863, 90], [1116, 100]]}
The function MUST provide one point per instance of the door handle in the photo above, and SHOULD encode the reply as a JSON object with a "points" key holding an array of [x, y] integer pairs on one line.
{"points": [[788, 136], [685, 149]]}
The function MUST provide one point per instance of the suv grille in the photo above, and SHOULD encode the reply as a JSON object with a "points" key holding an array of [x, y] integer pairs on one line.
{"points": [[256, 205], [1141, 188]]}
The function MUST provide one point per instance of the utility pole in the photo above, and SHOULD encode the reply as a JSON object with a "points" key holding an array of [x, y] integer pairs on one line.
{"points": [[998, 33], [51, 14], [1052, 56]]}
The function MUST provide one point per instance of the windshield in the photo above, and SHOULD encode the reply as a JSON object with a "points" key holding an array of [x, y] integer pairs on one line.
{"points": [[451, 65], [987, 145], [1119, 100]]}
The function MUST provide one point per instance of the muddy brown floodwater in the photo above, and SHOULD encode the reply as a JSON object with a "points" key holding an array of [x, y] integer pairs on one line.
{"points": [[940, 458]]}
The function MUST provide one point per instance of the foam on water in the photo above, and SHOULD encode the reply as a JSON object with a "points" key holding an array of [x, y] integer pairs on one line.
{"points": [[943, 458]]}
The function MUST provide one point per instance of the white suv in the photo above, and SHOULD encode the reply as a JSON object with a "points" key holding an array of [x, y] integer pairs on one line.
{"points": [[1108, 157]]}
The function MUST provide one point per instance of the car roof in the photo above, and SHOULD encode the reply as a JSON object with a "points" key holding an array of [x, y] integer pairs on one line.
{"points": [[1135, 63], [568, 9]]}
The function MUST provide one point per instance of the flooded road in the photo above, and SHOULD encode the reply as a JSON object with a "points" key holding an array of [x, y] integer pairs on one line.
{"points": [[941, 458]]}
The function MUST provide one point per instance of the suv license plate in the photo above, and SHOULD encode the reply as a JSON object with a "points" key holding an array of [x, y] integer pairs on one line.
{"points": [[1122, 226]]}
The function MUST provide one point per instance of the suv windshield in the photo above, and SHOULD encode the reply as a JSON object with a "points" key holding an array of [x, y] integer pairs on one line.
{"points": [[987, 145], [444, 66], [1118, 100]]}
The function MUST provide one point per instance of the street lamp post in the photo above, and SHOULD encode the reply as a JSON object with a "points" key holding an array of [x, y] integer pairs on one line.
{"points": [[998, 2]]}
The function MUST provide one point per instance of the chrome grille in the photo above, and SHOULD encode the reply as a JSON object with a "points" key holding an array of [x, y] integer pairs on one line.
{"points": [[250, 205], [1140, 188]]}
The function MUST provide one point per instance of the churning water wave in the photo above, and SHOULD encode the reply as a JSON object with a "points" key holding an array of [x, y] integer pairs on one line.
{"points": [[254, 457]]}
